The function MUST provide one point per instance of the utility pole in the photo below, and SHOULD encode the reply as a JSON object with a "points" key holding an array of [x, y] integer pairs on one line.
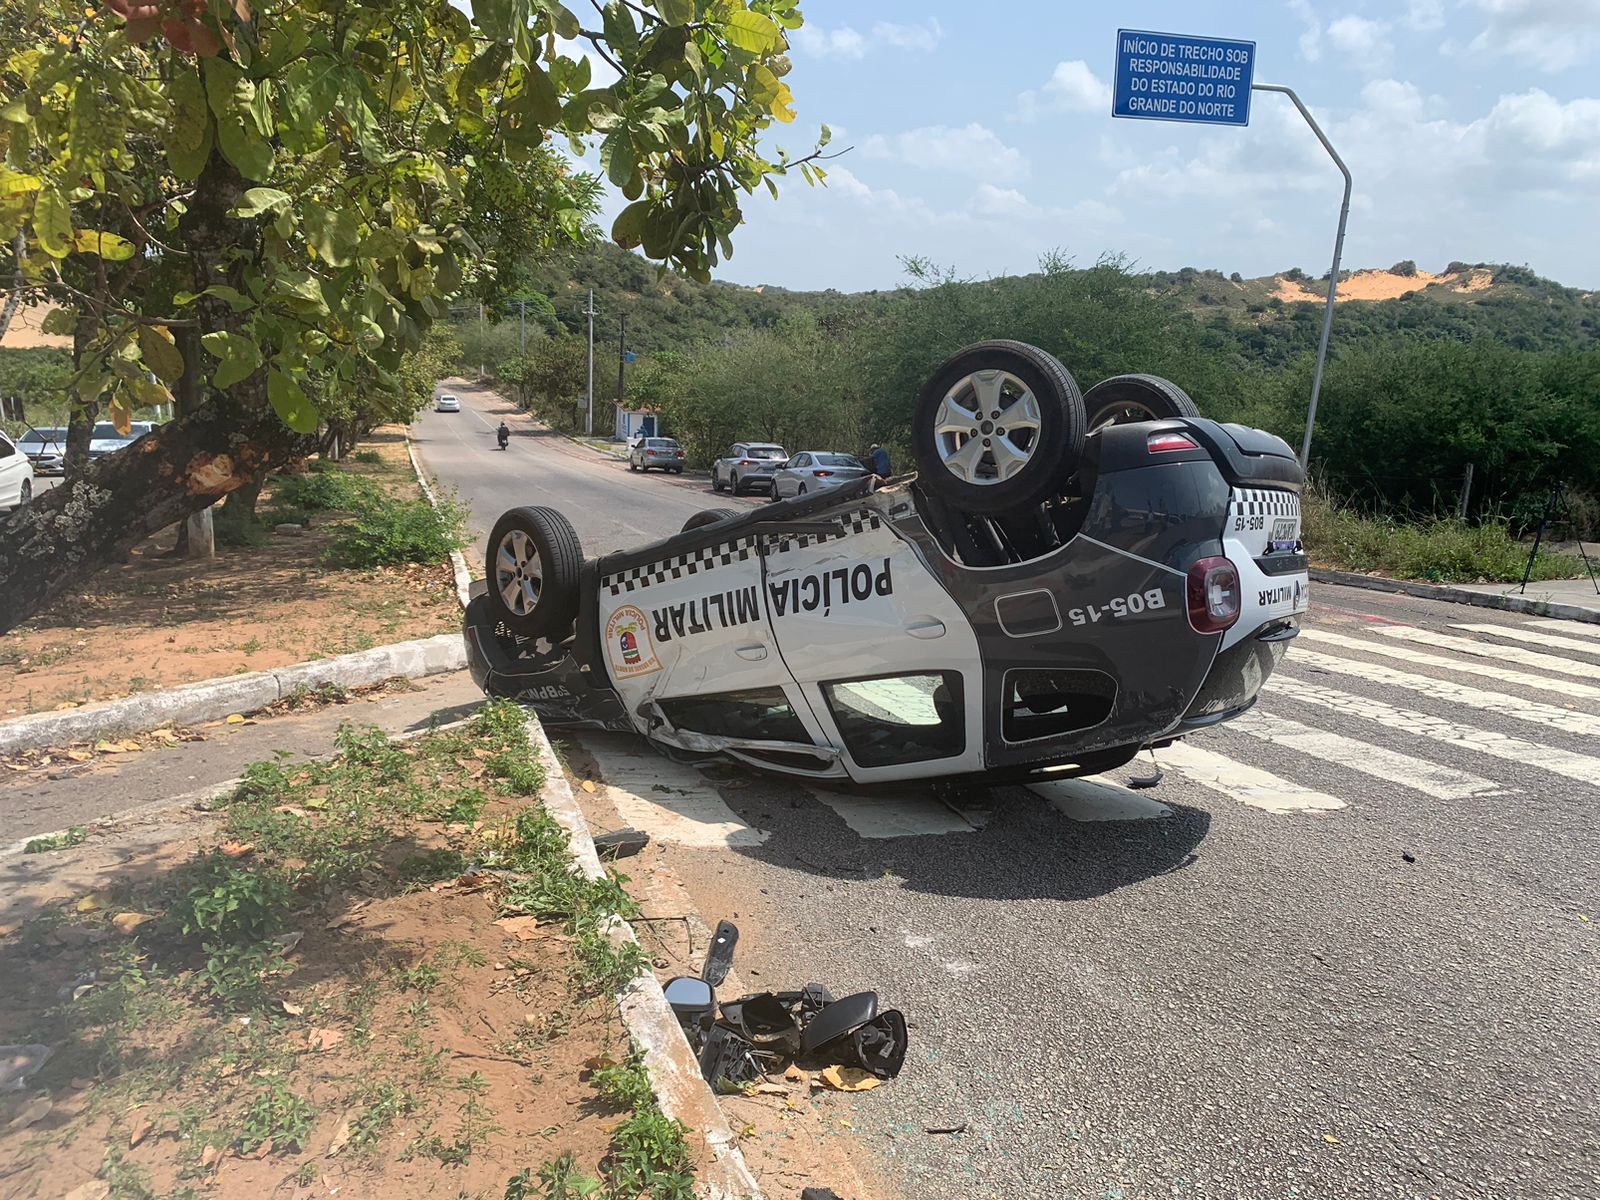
{"points": [[481, 371], [622, 353], [522, 328], [588, 420]]}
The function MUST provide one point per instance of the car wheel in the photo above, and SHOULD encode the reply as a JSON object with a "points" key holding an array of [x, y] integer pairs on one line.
{"points": [[1125, 398], [738, 488], [632, 466], [716, 483], [25, 493], [710, 516], [533, 564], [998, 426], [677, 470]]}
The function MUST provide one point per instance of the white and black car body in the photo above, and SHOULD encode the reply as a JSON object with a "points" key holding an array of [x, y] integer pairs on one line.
{"points": [[863, 635]]}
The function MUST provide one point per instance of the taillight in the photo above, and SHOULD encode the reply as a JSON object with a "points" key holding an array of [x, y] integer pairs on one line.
{"points": [[1165, 443], [650, 453], [1214, 595], [681, 454], [745, 462], [822, 474]]}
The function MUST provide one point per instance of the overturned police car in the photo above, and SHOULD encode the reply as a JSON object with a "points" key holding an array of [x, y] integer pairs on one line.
{"points": [[1067, 580]]}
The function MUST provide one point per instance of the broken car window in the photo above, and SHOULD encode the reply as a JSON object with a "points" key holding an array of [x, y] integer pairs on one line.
{"points": [[900, 718]]}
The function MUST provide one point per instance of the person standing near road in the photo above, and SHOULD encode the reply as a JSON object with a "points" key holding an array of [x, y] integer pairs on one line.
{"points": [[878, 461]]}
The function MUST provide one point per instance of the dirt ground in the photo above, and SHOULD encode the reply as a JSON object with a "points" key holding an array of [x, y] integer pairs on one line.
{"points": [[155, 621], [1378, 284], [414, 1042]]}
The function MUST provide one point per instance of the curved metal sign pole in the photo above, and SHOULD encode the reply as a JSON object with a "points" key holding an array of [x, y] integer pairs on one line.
{"points": [[1338, 251]]}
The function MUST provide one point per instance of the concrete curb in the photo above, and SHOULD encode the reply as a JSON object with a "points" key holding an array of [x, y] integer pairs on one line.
{"points": [[458, 561], [211, 699], [1451, 595], [680, 1089]]}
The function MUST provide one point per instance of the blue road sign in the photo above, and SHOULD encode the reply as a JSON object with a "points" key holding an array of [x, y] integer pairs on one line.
{"points": [[1174, 77], [628, 356]]}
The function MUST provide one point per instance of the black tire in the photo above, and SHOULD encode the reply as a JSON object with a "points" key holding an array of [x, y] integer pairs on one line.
{"points": [[716, 484], [1124, 398], [24, 493], [677, 470], [632, 466], [710, 516], [735, 486], [1052, 450], [560, 557]]}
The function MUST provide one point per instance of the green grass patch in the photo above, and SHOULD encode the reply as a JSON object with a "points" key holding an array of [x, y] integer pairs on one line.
{"points": [[64, 840], [1439, 550], [326, 491], [399, 531]]}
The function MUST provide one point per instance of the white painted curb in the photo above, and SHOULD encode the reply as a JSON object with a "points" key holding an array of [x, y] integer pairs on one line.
{"points": [[211, 699], [457, 561], [674, 1071]]}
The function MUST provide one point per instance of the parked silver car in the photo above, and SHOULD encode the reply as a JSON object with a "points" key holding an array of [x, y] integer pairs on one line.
{"points": [[652, 453], [747, 465], [105, 439], [814, 471], [46, 450]]}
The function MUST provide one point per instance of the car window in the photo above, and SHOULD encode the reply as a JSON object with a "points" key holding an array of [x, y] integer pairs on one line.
{"points": [[900, 718], [837, 460], [104, 429], [42, 437], [767, 452], [761, 714], [800, 460], [1044, 703], [661, 443], [6, 448]]}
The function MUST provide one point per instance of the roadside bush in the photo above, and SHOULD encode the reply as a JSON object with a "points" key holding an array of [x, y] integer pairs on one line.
{"points": [[398, 531], [326, 491]]}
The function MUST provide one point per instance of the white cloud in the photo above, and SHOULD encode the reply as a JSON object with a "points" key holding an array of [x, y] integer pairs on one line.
{"points": [[1072, 87], [843, 42], [847, 43], [925, 36], [1549, 34], [1424, 16], [1362, 40], [1311, 36], [969, 150]]}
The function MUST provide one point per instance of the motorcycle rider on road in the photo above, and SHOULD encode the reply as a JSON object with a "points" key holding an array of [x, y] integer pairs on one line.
{"points": [[503, 434]]}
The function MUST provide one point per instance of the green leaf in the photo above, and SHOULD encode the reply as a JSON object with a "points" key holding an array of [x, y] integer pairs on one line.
{"points": [[333, 233], [753, 32], [621, 35], [238, 356], [59, 321], [383, 242], [762, 85], [676, 12], [302, 291], [109, 246], [52, 222], [160, 354], [189, 133], [543, 103], [493, 17], [259, 200], [627, 230], [290, 402], [617, 156]]}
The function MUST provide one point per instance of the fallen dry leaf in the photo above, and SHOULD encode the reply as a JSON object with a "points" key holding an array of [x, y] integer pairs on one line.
{"points": [[209, 1155], [294, 1010], [766, 1089], [237, 849], [93, 902], [127, 922], [140, 1132], [341, 1137], [1330, 1139], [165, 735], [263, 1150], [588, 785], [79, 755], [325, 1039], [848, 1079], [34, 1111], [524, 929], [10, 766], [795, 1075], [235, 719], [95, 1189]]}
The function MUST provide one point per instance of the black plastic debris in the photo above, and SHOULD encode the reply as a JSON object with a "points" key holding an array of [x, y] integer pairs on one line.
{"points": [[761, 1033], [624, 843]]}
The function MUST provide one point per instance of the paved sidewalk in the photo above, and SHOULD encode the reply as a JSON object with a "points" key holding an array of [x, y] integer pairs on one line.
{"points": [[1580, 593], [33, 803]]}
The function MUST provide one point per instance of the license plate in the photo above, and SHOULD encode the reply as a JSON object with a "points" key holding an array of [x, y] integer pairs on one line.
{"points": [[1285, 529]]}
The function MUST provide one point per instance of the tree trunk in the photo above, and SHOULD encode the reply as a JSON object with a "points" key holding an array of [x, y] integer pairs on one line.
{"points": [[70, 532], [81, 416], [240, 506], [200, 540]]}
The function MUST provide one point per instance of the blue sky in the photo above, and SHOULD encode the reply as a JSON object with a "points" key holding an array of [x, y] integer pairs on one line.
{"points": [[982, 136]]}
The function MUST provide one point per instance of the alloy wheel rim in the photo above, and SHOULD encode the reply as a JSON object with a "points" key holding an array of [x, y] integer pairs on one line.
{"points": [[1125, 413], [518, 573], [987, 427]]}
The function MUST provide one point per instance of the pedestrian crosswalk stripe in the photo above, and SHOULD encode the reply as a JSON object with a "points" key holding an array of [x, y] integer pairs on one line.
{"points": [[669, 801], [1518, 633], [1091, 799], [1444, 783], [1510, 654], [1541, 683], [1407, 720], [1441, 689], [911, 813], [1587, 629], [1242, 782]]}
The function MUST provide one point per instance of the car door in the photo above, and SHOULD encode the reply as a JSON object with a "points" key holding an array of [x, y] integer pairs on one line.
{"points": [[13, 470], [883, 655], [690, 649], [783, 480]]}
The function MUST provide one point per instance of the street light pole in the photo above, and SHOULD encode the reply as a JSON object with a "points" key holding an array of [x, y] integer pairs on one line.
{"points": [[1338, 251], [588, 420]]}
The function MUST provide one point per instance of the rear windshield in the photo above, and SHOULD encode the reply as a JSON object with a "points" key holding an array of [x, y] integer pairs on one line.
{"points": [[38, 437], [661, 443], [767, 452], [105, 429], [836, 460]]}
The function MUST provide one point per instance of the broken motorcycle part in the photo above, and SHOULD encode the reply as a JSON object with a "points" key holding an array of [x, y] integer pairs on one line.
{"points": [[719, 958]]}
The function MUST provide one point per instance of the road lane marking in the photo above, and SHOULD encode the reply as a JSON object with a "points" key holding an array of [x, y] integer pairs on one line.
{"points": [[1541, 683], [1456, 693], [1441, 782], [1091, 799], [1408, 720], [1588, 630], [1244, 783], [1538, 638], [669, 801], [1510, 654], [908, 814]]}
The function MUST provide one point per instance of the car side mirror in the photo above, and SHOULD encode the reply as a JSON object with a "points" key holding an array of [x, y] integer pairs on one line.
{"points": [[691, 999]]}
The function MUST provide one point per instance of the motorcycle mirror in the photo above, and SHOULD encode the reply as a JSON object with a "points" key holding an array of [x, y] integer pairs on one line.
{"points": [[691, 999], [719, 958]]}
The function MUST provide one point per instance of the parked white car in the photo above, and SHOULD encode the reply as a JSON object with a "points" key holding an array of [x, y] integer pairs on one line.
{"points": [[46, 449], [16, 475], [815, 471], [104, 438]]}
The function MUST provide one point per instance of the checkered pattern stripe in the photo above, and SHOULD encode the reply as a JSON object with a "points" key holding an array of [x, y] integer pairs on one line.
{"points": [[726, 553], [1264, 502]]}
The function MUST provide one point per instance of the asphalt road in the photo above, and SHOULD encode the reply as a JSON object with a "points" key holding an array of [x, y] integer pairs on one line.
{"points": [[1346, 948]]}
